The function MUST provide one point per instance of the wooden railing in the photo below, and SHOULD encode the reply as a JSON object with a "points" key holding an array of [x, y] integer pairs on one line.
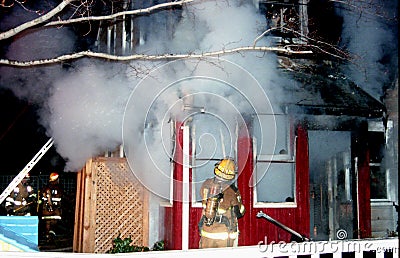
{"points": [[378, 248]]}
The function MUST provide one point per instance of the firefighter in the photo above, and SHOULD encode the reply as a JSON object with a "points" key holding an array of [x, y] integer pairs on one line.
{"points": [[22, 199], [222, 206], [51, 210]]}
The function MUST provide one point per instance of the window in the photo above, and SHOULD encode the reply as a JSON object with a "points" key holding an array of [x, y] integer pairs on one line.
{"points": [[274, 178], [275, 182], [378, 173], [378, 183], [212, 141]]}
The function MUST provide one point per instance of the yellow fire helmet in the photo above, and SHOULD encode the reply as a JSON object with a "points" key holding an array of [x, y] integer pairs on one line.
{"points": [[53, 176], [225, 169]]}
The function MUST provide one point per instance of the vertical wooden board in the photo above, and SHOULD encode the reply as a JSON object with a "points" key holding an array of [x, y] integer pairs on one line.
{"points": [[364, 197], [168, 227], [247, 224], [176, 240], [93, 210], [195, 215], [88, 209], [302, 215], [79, 210], [77, 231], [145, 226]]}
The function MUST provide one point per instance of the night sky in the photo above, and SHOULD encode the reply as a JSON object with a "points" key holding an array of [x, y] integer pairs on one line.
{"points": [[21, 137]]}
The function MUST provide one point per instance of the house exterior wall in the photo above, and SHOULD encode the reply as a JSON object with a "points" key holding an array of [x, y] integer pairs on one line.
{"points": [[384, 217], [173, 215], [255, 229]]}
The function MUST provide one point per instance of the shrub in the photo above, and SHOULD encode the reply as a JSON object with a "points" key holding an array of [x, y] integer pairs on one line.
{"points": [[124, 246]]}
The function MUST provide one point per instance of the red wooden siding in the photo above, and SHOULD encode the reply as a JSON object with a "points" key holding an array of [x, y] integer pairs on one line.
{"points": [[247, 228], [195, 215], [360, 150], [364, 195], [173, 215], [168, 228], [253, 229]]}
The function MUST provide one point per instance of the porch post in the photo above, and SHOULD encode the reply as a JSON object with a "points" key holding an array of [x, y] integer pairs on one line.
{"points": [[185, 188], [245, 170], [362, 184], [176, 234]]}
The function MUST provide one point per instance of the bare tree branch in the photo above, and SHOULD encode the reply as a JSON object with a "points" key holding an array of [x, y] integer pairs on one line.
{"points": [[70, 57], [60, 7], [35, 22], [321, 46], [298, 49], [119, 14], [262, 35]]}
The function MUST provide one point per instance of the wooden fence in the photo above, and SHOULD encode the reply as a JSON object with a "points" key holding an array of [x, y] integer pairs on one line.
{"points": [[110, 202]]}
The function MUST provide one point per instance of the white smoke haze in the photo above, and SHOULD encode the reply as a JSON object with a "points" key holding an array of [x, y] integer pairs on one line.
{"points": [[83, 106], [370, 35], [188, 87], [207, 26], [34, 85], [86, 112], [230, 24]]}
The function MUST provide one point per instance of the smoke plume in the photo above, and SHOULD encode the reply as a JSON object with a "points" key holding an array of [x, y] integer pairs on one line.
{"points": [[82, 106]]}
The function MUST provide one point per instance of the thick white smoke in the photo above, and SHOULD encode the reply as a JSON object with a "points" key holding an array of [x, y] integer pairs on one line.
{"points": [[83, 105], [86, 111], [370, 32], [205, 26]]}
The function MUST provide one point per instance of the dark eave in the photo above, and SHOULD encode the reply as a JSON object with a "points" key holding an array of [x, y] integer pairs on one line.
{"points": [[323, 93]]}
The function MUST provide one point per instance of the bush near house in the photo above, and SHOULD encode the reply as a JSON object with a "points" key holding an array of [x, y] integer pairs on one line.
{"points": [[124, 246]]}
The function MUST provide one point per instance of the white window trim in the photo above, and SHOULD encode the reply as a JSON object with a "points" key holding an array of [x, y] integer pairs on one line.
{"points": [[387, 199], [171, 186], [169, 203], [275, 204], [279, 157], [285, 158], [378, 126], [194, 203]]}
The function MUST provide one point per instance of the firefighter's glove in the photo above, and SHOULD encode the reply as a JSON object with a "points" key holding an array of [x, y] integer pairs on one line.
{"points": [[237, 211], [219, 196]]}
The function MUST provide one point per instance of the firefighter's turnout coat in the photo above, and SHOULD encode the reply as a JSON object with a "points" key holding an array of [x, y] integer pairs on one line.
{"points": [[51, 209], [222, 229], [21, 200], [51, 201]]}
